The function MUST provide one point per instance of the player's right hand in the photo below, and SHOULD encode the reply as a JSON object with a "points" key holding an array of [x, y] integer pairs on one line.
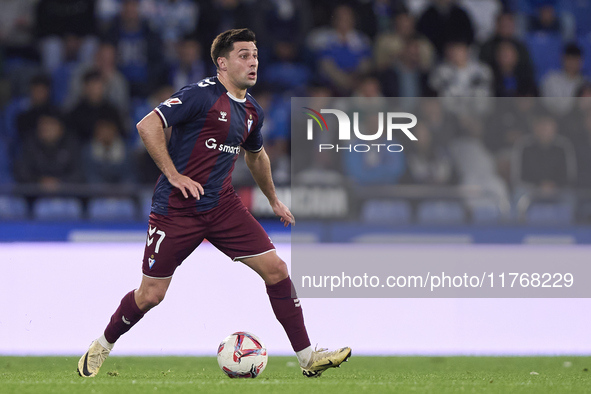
{"points": [[186, 185]]}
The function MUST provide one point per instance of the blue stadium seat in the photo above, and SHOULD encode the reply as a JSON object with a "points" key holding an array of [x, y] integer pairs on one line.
{"points": [[441, 212], [115, 209], [550, 213], [57, 208], [386, 212], [13, 208], [146, 204], [546, 52], [10, 133], [486, 213]]}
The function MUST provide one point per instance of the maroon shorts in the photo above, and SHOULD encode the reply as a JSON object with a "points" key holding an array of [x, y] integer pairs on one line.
{"points": [[229, 227]]}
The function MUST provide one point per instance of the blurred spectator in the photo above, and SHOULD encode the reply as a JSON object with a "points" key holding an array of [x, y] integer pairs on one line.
{"points": [[509, 122], [443, 22], [92, 107], [56, 19], [116, 86], [559, 87], [391, 44], [482, 14], [17, 28], [276, 131], [106, 159], [63, 73], [510, 80], [407, 77], [50, 157], [139, 49], [286, 71], [574, 123], [427, 163], [147, 171], [441, 123], [474, 164], [189, 66], [284, 21], [544, 160], [346, 52], [171, 20], [374, 167], [545, 19], [461, 79], [220, 15], [505, 126], [39, 104], [583, 151], [506, 31]]}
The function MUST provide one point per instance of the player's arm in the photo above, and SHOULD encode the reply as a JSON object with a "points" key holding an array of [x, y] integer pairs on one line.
{"points": [[152, 134], [260, 167]]}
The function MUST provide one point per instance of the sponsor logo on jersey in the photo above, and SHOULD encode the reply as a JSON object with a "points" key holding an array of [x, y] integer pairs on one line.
{"points": [[172, 101], [125, 320], [211, 143], [223, 116]]}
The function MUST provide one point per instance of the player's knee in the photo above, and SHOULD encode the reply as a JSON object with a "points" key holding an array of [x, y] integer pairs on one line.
{"points": [[277, 271], [150, 298], [154, 298]]}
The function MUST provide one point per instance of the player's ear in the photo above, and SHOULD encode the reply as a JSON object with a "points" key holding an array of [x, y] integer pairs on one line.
{"points": [[222, 63]]}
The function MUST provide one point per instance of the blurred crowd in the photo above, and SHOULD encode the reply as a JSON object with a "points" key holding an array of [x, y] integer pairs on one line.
{"points": [[77, 75]]}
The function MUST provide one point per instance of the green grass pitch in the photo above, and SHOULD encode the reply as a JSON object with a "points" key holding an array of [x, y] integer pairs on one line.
{"points": [[130, 375]]}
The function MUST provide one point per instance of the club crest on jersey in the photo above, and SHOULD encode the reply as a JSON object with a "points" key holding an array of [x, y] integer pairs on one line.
{"points": [[151, 261], [223, 116], [249, 123], [172, 101]]}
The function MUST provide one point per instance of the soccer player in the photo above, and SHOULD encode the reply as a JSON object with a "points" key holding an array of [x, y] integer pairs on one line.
{"points": [[211, 121]]}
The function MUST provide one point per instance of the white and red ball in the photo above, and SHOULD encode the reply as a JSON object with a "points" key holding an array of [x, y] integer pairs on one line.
{"points": [[242, 355]]}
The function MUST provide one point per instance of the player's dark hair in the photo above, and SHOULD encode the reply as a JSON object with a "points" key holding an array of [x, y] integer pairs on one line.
{"points": [[224, 42]]}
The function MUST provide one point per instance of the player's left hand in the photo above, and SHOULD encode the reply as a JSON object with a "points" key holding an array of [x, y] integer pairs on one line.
{"points": [[284, 213]]}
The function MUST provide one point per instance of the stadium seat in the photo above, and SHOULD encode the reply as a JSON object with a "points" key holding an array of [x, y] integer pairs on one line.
{"points": [[486, 212], [115, 209], [146, 204], [386, 212], [13, 208], [441, 212], [550, 213], [546, 52], [56, 208]]}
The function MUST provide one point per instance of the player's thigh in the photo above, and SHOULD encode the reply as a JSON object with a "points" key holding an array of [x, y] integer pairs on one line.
{"points": [[170, 240], [236, 233]]}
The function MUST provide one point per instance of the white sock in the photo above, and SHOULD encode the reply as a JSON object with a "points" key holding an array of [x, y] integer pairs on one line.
{"points": [[106, 344], [304, 356]]}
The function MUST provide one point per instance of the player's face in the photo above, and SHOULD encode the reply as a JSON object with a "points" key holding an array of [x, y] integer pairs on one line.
{"points": [[243, 63]]}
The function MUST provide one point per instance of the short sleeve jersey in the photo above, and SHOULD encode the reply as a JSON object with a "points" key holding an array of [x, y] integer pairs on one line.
{"points": [[209, 127]]}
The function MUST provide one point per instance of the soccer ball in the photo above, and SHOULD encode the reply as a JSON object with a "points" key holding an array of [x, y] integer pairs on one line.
{"points": [[242, 355]]}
